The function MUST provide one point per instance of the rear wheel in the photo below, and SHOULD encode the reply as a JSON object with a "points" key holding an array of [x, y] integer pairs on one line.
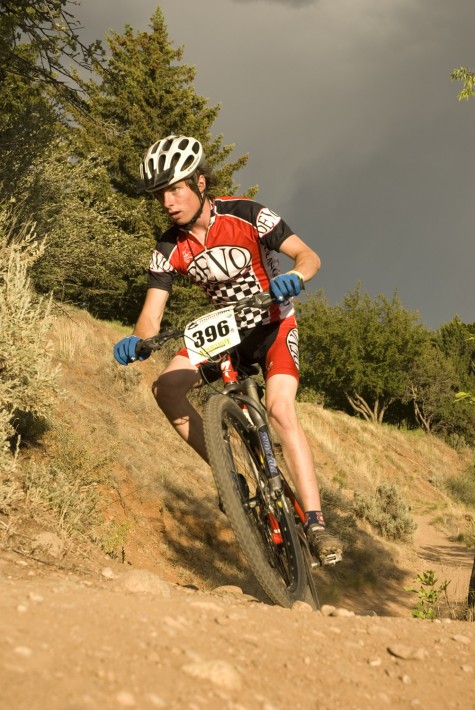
{"points": [[264, 528]]}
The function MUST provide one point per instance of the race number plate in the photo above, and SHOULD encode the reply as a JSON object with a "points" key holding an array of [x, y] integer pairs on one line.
{"points": [[211, 334]]}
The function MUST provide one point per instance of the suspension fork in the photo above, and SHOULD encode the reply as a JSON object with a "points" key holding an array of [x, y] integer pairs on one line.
{"points": [[248, 400], [294, 502], [277, 482]]}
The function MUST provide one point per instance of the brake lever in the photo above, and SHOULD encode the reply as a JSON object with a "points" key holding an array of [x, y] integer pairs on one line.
{"points": [[261, 300], [148, 345], [143, 348]]}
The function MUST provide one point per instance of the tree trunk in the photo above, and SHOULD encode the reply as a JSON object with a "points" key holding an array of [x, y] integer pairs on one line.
{"points": [[471, 588], [361, 406], [419, 413]]}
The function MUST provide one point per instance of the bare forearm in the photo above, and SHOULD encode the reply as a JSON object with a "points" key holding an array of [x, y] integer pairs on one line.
{"points": [[306, 261], [148, 322], [307, 265], [147, 326]]}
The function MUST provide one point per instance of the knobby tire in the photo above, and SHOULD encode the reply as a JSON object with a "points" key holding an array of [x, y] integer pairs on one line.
{"points": [[311, 594], [280, 569]]}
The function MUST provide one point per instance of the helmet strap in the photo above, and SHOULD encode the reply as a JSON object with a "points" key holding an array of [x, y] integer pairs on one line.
{"points": [[202, 198]]}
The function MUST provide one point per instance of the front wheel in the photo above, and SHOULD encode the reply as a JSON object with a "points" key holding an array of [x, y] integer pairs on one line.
{"points": [[264, 528]]}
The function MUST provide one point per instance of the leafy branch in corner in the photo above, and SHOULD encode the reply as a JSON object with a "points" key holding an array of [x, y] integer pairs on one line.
{"points": [[467, 77], [52, 34]]}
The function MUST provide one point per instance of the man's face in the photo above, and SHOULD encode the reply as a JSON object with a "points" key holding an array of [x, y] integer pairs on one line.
{"points": [[179, 202]]}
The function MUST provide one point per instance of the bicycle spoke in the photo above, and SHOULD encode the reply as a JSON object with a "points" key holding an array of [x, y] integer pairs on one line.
{"points": [[263, 527]]}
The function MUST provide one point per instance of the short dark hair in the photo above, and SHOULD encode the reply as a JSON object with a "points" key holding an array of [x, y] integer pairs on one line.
{"points": [[210, 177]]}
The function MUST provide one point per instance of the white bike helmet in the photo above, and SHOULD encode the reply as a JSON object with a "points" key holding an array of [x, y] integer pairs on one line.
{"points": [[168, 161]]}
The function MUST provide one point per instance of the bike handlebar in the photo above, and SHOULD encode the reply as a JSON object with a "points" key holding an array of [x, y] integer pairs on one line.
{"points": [[260, 300]]}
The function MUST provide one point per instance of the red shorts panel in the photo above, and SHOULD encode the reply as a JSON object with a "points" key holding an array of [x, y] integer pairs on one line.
{"points": [[274, 347]]}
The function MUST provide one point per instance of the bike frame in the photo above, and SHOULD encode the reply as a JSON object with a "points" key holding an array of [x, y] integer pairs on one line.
{"points": [[249, 402], [245, 393]]}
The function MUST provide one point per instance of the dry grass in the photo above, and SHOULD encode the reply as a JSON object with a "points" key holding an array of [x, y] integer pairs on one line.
{"points": [[353, 454], [154, 502]]}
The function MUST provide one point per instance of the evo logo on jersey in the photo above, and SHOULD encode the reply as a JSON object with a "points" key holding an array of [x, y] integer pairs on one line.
{"points": [[219, 264], [266, 221], [159, 264]]}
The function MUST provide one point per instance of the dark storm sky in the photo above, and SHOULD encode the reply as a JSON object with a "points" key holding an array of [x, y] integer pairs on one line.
{"points": [[353, 128]]}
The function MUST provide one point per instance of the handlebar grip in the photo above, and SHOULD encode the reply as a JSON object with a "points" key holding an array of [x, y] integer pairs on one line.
{"points": [[259, 300], [156, 342], [142, 348]]}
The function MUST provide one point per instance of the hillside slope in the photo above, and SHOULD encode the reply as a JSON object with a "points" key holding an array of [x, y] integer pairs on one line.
{"points": [[148, 500], [122, 585]]}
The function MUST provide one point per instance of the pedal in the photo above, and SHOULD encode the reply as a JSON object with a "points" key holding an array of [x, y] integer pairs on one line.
{"points": [[331, 559]]}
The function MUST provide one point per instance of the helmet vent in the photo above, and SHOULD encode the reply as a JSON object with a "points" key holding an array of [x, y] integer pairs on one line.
{"points": [[174, 160], [170, 160]]}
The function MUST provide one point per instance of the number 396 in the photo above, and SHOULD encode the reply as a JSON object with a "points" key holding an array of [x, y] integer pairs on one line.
{"points": [[210, 333]]}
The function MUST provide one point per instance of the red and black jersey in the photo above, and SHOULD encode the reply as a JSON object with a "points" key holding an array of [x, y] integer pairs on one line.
{"points": [[238, 259]]}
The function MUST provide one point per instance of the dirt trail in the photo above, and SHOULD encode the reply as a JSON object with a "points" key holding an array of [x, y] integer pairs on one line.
{"points": [[448, 559], [431, 549], [111, 637]]}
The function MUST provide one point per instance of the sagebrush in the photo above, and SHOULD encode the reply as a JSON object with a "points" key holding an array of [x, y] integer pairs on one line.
{"points": [[386, 512], [28, 378]]}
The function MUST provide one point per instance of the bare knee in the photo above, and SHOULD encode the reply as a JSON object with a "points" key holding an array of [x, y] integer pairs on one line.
{"points": [[157, 391], [282, 414], [172, 387], [166, 393]]}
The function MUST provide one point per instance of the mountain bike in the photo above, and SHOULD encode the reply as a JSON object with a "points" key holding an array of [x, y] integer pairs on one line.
{"points": [[263, 510]]}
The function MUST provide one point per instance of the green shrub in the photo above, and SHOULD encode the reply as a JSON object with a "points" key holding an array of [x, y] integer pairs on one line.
{"points": [[429, 596], [386, 512]]}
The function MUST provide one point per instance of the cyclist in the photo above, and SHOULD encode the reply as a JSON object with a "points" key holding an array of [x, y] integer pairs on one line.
{"points": [[228, 246]]}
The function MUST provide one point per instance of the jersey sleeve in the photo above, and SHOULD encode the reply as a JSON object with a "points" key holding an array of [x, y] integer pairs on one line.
{"points": [[271, 228], [161, 281], [161, 272]]}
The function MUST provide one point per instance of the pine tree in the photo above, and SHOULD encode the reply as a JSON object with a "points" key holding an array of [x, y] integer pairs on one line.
{"points": [[100, 233], [147, 93]]}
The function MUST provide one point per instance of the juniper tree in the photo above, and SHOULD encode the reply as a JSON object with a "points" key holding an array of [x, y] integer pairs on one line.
{"points": [[360, 352]]}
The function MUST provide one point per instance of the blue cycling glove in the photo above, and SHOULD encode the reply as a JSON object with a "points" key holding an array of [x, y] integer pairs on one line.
{"points": [[285, 286], [124, 350]]}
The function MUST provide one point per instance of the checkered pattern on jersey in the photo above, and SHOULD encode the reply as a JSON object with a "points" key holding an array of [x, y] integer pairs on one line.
{"points": [[221, 293]]}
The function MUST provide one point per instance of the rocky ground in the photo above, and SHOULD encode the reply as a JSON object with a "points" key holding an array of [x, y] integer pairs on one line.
{"points": [[107, 636]]}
